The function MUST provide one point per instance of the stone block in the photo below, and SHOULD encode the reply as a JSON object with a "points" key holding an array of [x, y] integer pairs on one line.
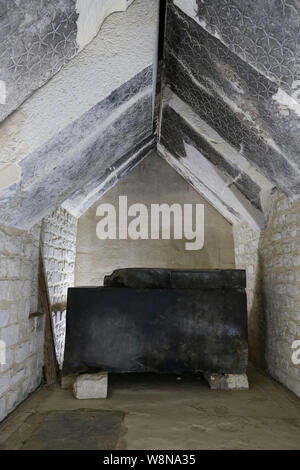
{"points": [[227, 381], [89, 386]]}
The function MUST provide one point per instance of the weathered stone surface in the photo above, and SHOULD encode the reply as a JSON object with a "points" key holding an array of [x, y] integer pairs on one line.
{"points": [[232, 101], [21, 373], [272, 263], [86, 196], [104, 134], [255, 32], [89, 386], [227, 381], [175, 131], [58, 237], [36, 39]]}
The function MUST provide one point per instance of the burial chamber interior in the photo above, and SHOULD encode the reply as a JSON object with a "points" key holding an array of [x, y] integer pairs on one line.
{"points": [[228, 95], [159, 320]]}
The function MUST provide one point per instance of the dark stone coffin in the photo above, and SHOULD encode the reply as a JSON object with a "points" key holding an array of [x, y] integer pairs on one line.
{"points": [[199, 328]]}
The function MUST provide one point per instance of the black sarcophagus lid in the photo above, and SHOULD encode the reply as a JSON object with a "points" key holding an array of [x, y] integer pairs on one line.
{"points": [[159, 320]]}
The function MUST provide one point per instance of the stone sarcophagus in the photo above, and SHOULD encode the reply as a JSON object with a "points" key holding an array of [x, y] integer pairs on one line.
{"points": [[159, 320]]}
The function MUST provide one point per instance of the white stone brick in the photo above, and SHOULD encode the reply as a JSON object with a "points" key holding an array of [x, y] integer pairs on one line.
{"points": [[14, 291], [10, 335], [3, 267], [4, 318], [13, 313], [280, 262], [9, 359], [227, 381], [28, 250], [2, 408], [13, 267], [2, 239], [24, 309], [12, 400], [20, 250], [17, 377], [28, 268], [4, 383], [89, 386], [4, 286], [22, 352], [26, 289], [13, 245], [296, 260], [59, 249]]}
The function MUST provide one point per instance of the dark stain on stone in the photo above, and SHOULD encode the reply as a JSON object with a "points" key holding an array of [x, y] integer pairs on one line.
{"points": [[76, 430], [249, 189], [174, 125], [232, 77]]}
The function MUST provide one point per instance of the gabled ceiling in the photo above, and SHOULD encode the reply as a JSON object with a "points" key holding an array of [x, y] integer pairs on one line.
{"points": [[228, 98], [80, 125]]}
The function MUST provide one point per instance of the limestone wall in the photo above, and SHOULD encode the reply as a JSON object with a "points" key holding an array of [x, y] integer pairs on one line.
{"points": [[21, 333], [59, 248], [22, 336], [273, 286], [153, 181]]}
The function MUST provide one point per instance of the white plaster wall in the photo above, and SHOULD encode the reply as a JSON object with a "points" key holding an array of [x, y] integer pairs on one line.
{"points": [[152, 181], [125, 45], [91, 15]]}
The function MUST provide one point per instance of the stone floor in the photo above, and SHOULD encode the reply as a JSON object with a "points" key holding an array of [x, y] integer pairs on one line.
{"points": [[163, 412]]}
